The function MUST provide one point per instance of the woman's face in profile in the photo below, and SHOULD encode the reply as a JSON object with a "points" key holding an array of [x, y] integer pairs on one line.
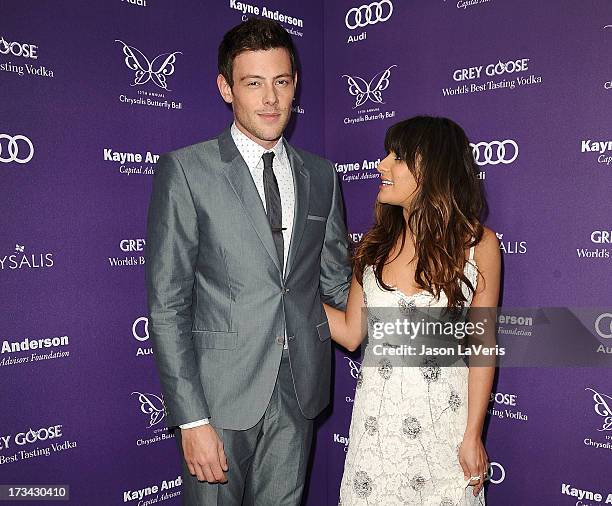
{"points": [[398, 185]]}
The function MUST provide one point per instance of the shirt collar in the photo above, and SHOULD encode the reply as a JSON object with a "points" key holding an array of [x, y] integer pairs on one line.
{"points": [[251, 151]]}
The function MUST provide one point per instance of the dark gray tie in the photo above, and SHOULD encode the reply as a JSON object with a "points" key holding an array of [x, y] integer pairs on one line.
{"points": [[273, 206]]}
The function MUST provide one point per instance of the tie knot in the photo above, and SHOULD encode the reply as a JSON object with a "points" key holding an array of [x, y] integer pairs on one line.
{"points": [[267, 159]]}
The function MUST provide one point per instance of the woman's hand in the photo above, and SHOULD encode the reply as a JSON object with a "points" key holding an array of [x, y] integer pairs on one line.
{"points": [[474, 461], [348, 328]]}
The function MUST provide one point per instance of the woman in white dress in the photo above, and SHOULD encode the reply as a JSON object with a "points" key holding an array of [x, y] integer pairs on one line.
{"points": [[416, 432]]}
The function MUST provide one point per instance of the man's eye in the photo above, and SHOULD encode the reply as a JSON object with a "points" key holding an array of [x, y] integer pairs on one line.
{"points": [[253, 83], [282, 82]]}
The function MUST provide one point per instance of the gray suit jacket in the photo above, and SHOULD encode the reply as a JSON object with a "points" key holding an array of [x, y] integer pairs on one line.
{"points": [[219, 305]]}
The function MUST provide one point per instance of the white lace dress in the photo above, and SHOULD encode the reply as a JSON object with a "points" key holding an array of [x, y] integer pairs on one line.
{"points": [[407, 423]]}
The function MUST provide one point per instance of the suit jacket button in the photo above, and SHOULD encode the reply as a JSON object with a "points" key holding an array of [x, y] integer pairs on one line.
{"points": [[280, 340]]}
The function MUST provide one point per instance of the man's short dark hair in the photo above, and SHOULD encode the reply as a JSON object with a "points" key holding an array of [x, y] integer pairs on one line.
{"points": [[254, 34]]}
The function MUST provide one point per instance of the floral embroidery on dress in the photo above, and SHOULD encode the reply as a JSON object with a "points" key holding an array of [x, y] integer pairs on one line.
{"points": [[385, 368], [411, 427], [406, 306], [362, 484], [430, 370], [371, 425]]}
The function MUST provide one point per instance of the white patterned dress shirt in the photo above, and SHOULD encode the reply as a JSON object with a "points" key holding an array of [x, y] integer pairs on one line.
{"points": [[251, 153]]}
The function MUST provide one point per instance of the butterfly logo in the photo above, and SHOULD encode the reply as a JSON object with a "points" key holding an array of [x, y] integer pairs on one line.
{"points": [[364, 91], [145, 70], [602, 408], [19, 248], [152, 405], [354, 367]]}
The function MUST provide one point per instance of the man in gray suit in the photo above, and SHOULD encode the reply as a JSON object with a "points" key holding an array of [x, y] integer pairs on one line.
{"points": [[246, 239]]}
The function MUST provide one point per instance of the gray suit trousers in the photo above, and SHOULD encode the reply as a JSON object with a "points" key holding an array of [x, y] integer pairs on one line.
{"points": [[267, 462]]}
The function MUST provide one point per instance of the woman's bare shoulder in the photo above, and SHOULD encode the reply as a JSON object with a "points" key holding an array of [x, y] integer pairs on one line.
{"points": [[487, 251]]}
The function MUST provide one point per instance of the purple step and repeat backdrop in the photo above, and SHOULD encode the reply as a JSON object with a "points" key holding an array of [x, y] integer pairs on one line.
{"points": [[81, 127]]}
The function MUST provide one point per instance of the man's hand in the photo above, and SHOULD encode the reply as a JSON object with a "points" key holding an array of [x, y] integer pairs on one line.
{"points": [[204, 454]]}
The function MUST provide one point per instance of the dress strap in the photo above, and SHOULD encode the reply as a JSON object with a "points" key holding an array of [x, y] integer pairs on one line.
{"points": [[472, 251]]}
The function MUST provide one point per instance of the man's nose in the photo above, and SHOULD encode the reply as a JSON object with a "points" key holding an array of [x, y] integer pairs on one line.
{"points": [[270, 96]]}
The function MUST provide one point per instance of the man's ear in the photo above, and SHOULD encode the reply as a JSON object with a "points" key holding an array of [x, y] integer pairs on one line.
{"points": [[295, 80], [224, 89]]}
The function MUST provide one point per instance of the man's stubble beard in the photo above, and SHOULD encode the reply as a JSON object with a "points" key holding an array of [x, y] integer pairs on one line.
{"points": [[253, 128]]}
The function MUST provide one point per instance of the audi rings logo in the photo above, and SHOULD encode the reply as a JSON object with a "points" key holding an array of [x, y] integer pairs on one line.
{"points": [[370, 14], [497, 473], [495, 152], [140, 329], [15, 148], [603, 325]]}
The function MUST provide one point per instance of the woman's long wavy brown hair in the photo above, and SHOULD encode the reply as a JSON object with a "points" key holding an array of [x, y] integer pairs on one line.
{"points": [[444, 216]]}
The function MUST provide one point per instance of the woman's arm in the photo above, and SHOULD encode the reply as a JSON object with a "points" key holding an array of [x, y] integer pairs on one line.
{"points": [[472, 455], [349, 328]]}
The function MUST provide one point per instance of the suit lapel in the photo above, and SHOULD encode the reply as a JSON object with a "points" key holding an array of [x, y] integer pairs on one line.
{"points": [[239, 177], [301, 183]]}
